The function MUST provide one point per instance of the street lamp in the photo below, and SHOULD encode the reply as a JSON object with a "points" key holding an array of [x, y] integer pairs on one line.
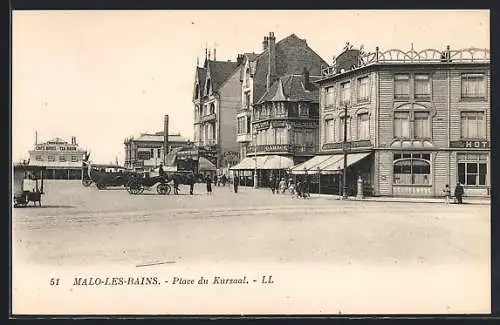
{"points": [[345, 149], [255, 178]]}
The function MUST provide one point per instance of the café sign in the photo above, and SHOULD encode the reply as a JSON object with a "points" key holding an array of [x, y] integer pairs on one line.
{"points": [[470, 144]]}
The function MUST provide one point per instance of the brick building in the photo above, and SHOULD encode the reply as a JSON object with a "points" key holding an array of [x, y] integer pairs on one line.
{"points": [[277, 124], [416, 121]]}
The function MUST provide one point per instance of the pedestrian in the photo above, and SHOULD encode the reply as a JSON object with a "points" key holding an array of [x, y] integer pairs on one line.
{"points": [[209, 184], [459, 192], [298, 189], [192, 180], [161, 171], [224, 180], [176, 185], [273, 180], [235, 184], [447, 193], [282, 186], [215, 180], [305, 188]]}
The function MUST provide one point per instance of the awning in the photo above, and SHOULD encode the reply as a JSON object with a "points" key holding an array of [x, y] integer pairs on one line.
{"points": [[205, 165], [329, 164], [278, 162], [306, 165], [264, 162]]}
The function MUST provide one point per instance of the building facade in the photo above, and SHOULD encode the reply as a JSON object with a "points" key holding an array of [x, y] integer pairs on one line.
{"points": [[216, 98], [145, 152], [277, 123], [62, 159], [416, 121]]}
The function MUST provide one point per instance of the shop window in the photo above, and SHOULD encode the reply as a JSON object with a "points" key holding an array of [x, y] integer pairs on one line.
{"points": [[473, 125], [401, 86], [51, 158], [472, 169], [38, 158], [402, 124], [74, 158], [473, 85], [363, 126], [422, 86], [411, 169], [364, 89], [345, 93], [329, 97], [62, 158]]}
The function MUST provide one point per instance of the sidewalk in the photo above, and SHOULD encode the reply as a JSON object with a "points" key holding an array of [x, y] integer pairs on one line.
{"points": [[466, 200]]}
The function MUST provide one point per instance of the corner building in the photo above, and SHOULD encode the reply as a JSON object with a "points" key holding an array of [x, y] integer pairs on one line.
{"points": [[416, 121]]}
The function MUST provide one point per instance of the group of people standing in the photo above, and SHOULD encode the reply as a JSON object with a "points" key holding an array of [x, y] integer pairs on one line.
{"points": [[458, 193], [301, 189]]}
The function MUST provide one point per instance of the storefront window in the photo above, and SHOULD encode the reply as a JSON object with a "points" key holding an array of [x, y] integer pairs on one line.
{"points": [[472, 169], [412, 169]]}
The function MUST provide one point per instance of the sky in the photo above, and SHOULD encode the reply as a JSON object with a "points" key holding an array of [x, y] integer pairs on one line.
{"points": [[102, 76]]}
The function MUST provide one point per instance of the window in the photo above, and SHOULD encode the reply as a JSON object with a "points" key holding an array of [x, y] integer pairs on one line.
{"points": [[473, 85], [342, 127], [401, 86], [329, 131], [249, 122], [345, 93], [472, 169], [329, 97], [421, 125], [51, 158], [62, 158], [212, 108], [309, 138], [472, 125], [247, 100], [402, 124], [299, 137], [363, 89], [74, 158], [412, 169], [363, 126], [241, 125], [152, 152], [270, 136], [422, 86], [158, 152], [280, 136], [38, 158], [303, 109]]}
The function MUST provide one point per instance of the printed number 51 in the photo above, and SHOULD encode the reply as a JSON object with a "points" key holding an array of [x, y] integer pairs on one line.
{"points": [[54, 281]]}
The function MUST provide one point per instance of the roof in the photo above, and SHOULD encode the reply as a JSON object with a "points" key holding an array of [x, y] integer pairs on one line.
{"points": [[291, 88], [220, 71], [292, 56], [158, 137], [251, 56]]}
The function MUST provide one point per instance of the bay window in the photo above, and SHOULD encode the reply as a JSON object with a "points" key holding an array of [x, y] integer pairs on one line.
{"points": [[472, 125]]}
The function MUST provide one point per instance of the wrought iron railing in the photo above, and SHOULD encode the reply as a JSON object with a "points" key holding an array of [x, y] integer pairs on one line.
{"points": [[468, 55]]}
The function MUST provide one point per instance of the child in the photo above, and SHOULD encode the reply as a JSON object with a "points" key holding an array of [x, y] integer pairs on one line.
{"points": [[447, 193]]}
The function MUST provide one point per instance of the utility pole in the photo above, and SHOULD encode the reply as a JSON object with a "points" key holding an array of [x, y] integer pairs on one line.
{"points": [[165, 140], [344, 182]]}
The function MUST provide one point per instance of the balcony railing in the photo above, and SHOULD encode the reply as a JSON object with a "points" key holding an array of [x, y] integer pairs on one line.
{"points": [[208, 117], [468, 55], [288, 148]]}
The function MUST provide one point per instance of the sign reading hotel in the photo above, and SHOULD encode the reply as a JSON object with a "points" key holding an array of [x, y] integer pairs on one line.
{"points": [[469, 144]]}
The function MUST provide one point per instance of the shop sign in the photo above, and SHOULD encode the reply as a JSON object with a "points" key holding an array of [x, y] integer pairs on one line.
{"points": [[262, 125], [470, 144]]}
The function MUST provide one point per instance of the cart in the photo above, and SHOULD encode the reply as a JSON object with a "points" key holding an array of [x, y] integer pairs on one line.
{"points": [[28, 185]]}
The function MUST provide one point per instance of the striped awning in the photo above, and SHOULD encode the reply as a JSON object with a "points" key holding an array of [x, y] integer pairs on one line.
{"points": [[264, 162], [328, 163], [308, 164]]}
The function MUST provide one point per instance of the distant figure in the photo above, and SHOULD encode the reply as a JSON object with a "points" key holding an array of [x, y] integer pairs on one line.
{"points": [[215, 180], [298, 189], [273, 184], [161, 171], [459, 192], [305, 187], [282, 186], [224, 180], [176, 185], [447, 193], [235, 184], [191, 185], [209, 184]]}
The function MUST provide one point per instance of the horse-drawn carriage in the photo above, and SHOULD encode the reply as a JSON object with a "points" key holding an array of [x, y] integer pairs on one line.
{"points": [[163, 184], [27, 184], [106, 175]]}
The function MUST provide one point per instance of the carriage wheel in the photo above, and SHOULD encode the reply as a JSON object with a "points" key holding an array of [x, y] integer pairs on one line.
{"points": [[163, 189], [134, 187], [86, 182], [101, 186], [141, 189]]}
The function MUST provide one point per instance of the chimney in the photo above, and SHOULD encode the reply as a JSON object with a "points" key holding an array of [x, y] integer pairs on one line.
{"points": [[215, 52], [271, 71], [264, 44], [239, 59], [305, 74]]}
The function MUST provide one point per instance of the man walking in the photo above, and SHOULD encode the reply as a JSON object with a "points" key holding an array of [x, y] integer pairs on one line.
{"points": [[236, 182], [459, 192]]}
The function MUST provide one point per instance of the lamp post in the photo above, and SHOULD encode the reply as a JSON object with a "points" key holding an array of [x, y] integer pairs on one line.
{"points": [[345, 149], [255, 178]]}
